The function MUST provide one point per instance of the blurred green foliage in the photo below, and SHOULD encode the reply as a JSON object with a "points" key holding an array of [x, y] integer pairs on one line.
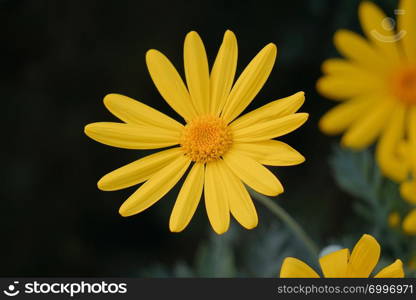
{"points": [[261, 255], [234, 255], [376, 196]]}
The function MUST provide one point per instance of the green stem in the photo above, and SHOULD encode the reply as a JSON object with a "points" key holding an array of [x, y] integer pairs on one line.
{"points": [[288, 220]]}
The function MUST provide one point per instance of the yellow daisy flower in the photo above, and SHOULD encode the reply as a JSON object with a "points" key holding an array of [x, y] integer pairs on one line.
{"points": [[340, 264], [375, 83], [225, 151]]}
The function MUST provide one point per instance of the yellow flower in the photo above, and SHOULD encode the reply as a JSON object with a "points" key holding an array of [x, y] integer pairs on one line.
{"points": [[375, 83], [340, 264], [225, 151]]}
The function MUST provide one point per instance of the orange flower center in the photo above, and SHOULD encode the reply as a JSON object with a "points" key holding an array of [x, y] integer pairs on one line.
{"points": [[404, 85], [206, 138]]}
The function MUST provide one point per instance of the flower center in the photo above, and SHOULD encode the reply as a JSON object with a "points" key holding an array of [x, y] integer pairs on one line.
{"points": [[206, 138], [404, 85]]}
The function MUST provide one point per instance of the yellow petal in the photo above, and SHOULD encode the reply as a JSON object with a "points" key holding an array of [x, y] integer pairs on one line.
{"points": [[373, 21], [407, 27], [408, 191], [346, 68], [409, 223], [366, 130], [395, 270], [334, 265], [223, 72], [344, 87], [130, 136], [403, 148], [272, 110], [295, 268], [216, 198], [138, 171], [241, 205], [271, 152], [188, 199], [339, 118], [364, 257], [356, 48], [196, 71], [155, 188], [412, 138], [169, 84], [135, 112], [412, 124], [250, 82], [389, 161], [253, 174], [269, 129]]}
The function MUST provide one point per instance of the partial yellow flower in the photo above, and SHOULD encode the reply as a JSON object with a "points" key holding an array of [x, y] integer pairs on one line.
{"points": [[375, 83], [340, 264], [225, 152]]}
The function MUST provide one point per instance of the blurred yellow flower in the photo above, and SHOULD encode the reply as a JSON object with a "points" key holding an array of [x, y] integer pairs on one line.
{"points": [[225, 151], [375, 83], [340, 264]]}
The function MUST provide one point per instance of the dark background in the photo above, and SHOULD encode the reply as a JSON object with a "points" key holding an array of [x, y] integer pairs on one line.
{"points": [[60, 58]]}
